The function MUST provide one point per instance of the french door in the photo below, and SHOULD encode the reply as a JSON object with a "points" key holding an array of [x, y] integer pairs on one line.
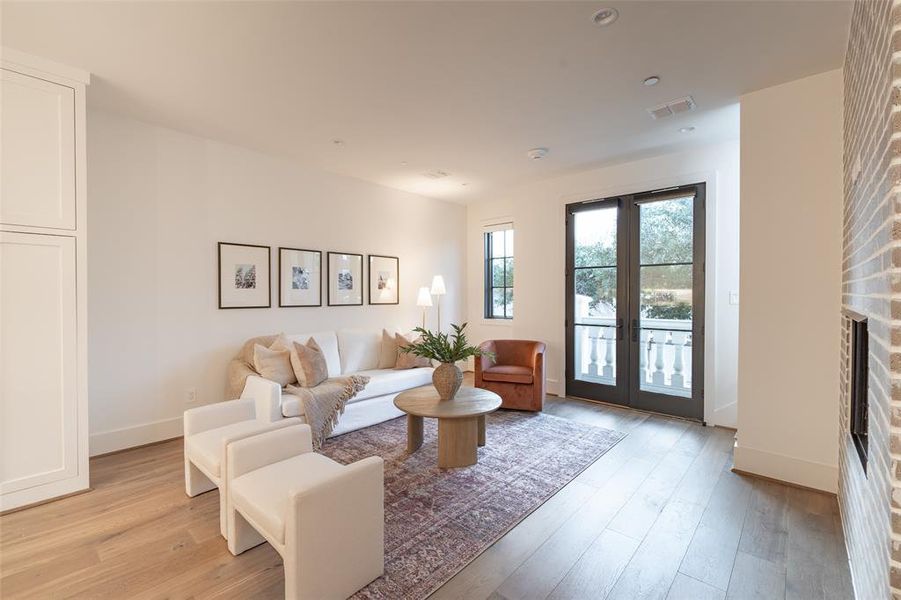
{"points": [[635, 300]]}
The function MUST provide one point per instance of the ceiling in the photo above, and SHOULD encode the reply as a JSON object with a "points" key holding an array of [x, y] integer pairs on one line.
{"points": [[413, 87]]}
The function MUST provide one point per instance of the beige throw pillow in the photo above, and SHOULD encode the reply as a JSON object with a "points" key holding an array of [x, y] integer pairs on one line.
{"points": [[273, 364], [313, 368], [387, 351], [406, 360]]}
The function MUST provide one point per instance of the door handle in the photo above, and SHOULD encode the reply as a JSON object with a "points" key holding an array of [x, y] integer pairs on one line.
{"points": [[619, 329], [634, 330]]}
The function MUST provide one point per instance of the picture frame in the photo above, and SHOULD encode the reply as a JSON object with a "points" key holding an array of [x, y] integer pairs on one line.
{"points": [[384, 279], [345, 279], [244, 276], [299, 277]]}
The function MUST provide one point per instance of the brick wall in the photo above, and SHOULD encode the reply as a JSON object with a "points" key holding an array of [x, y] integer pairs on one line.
{"points": [[871, 285]]}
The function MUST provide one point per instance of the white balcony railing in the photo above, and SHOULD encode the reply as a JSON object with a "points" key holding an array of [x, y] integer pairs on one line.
{"points": [[664, 360]]}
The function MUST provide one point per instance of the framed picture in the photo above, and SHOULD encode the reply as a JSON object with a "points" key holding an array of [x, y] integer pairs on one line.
{"points": [[244, 280], [345, 279], [383, 279], [299, 277]]}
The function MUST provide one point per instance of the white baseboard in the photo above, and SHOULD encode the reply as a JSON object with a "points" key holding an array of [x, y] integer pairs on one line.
{"points": [[786, 468], [128, 437]]}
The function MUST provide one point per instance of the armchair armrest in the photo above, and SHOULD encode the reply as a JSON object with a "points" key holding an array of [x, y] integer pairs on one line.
{"points": [[345, 514], [264, 449], [220, 414], [267, 397], [484, 362]]}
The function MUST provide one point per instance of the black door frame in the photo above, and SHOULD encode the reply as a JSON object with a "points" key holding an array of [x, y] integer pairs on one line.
{"points": [[627, 392]]}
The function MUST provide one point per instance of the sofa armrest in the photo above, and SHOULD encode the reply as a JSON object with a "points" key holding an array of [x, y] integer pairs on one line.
{"points": [[267, 396], [267, 448], [237, 373], [220, 414]]}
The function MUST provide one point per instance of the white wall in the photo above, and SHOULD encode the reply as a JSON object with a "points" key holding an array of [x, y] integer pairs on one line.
{"points": [[160, 200], [537, 212], [791, 256]]}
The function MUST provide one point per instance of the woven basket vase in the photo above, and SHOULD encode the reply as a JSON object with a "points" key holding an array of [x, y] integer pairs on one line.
{"points": [[447, 379]]}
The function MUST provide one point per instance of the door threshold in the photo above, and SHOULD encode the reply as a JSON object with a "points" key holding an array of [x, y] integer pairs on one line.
{"points": [[639, 410]]}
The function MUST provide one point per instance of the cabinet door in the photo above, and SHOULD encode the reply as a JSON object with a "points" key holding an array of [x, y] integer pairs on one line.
{"points": [[38, 369], [37, 165]]}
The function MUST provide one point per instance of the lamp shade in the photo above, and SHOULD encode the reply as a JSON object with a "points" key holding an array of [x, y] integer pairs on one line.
{"points": [[438, 288], [425, 298]]}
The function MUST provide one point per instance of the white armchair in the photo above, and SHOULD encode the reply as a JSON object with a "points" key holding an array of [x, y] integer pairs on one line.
{"points": [[208, 430], [326, 520]]}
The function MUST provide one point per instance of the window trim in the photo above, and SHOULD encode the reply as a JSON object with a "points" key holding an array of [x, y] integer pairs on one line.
{"points": [[488, 287]]}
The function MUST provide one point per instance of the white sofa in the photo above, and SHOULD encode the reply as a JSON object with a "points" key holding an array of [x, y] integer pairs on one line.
{"points": [[325, 519], [347, 351]]}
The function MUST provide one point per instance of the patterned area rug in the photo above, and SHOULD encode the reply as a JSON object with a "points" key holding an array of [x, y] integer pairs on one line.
{"points": [[439, 520]]}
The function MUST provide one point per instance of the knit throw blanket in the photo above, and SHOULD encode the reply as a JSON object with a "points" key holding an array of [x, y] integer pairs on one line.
{"points": [[324, 404]]}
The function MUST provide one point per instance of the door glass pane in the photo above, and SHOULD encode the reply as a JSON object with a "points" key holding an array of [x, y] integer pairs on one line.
{"points": [[595, 282], [595, 237], [666, 231], [665, 301]]}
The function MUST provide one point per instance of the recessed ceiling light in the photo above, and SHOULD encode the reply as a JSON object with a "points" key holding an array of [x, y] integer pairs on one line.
{"points": [[537, 153], [686, 129], [403, 163], [605, 16], [652, 80]]}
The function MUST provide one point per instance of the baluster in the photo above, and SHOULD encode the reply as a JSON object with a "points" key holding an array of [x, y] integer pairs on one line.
{"points": [[608, 355], [658, 376], [642, 357], [678, 380], [593, 352], [577, 351], [688, 360]]}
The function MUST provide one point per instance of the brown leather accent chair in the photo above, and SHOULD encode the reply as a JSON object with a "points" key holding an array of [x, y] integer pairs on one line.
{"points": [[516, 374]]}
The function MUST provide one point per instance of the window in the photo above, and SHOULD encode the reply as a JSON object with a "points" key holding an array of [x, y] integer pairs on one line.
{"points": [[860, 354], [499, 272]]}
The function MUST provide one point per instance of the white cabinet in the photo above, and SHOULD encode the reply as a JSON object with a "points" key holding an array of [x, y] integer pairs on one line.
{"points": [[43, 281], [38, 361], [37, 137]]}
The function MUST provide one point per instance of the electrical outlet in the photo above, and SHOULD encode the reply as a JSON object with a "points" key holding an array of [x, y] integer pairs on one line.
{"points": [[733, 298], [190, 395]]}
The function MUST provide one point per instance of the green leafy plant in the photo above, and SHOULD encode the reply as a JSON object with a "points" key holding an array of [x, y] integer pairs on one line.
{"points": [[443, 347]]}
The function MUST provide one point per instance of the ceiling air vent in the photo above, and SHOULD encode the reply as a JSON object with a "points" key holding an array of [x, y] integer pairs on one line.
{"points": [[668, 109], [436, 174]]}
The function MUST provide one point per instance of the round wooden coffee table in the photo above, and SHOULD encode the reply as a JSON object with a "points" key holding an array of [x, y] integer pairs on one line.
{"points": [[461, 421]]}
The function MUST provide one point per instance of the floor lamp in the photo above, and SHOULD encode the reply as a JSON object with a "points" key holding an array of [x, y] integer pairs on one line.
{"points": [[438, 290], [425, 301]]}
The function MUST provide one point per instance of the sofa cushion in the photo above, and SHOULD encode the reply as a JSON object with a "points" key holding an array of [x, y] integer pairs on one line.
{"points": [[205, 448], [508, 373], [392, 381], [359, 349], [328, 342], [264, 495]]}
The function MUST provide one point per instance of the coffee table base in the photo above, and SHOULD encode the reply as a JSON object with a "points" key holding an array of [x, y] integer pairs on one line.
{"points": [[458, 439]]}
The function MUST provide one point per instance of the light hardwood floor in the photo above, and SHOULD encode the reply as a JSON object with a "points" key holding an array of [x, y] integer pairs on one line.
{"points": [[659, 516]]}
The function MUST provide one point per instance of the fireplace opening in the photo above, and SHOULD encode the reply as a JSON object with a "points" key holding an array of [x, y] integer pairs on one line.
{"points": [[858, 422]]}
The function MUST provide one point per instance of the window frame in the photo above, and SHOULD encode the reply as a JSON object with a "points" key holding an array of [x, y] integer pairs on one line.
{"points": [[489, 286]]}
